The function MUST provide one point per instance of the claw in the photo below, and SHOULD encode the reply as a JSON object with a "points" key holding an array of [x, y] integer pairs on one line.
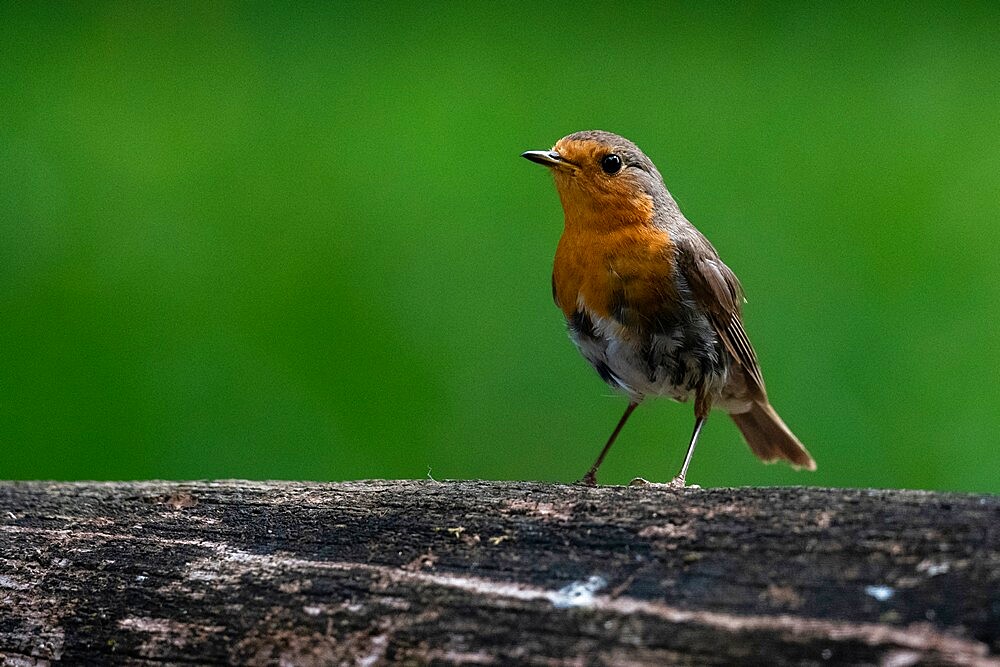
{"points": [[676, 484]]}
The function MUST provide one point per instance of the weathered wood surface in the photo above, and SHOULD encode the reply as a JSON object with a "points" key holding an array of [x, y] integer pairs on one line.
{"points": [[373, 573]]}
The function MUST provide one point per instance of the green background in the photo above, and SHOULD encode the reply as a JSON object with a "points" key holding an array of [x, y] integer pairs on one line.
{"points": [[297, 241]]}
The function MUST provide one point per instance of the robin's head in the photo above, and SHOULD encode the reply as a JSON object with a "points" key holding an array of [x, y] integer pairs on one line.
{"points": [[603, 179]]}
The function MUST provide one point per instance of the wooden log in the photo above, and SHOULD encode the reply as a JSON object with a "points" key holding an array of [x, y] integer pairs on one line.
{"points": [[405, 572]]}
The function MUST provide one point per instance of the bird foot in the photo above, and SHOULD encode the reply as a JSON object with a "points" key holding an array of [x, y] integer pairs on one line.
{"points": [[588, 480], [675, 483]]}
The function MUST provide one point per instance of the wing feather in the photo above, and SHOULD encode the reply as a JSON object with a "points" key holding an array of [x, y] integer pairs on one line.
{"points": [[719, 293]]}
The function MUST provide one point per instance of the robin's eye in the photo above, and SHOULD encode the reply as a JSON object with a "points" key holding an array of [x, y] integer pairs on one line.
{"points": [[611, 164]]}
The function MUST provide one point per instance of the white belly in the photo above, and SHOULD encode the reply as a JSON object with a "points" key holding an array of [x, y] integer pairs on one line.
{"points": [[671, 364]]}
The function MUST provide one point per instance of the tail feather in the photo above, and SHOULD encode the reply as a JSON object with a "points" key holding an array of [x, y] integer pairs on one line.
{"points": [[770, 439]]}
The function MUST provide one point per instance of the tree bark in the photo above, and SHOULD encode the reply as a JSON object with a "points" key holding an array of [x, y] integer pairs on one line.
{"points": [[389, 572]]}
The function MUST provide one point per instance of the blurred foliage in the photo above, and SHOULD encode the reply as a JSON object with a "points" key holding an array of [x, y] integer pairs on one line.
{"points": [[297, 241]]}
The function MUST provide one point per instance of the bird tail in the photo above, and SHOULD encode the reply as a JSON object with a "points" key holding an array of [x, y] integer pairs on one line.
{"points": [[770, 439]]}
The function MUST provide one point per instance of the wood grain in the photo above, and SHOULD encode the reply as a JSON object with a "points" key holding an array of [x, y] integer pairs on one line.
{"points": [[403, 572]]}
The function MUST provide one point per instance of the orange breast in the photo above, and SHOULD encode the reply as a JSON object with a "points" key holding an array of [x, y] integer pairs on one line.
{"points": [[611, 270]]}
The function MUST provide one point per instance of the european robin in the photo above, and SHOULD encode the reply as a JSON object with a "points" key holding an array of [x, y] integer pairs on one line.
{"points": [[647, 300]]}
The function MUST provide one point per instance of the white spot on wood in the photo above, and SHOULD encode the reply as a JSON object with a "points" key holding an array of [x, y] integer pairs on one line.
{"points": [[880, 593], [933, 569], [13, 583], [578, 593], [901, 659]]}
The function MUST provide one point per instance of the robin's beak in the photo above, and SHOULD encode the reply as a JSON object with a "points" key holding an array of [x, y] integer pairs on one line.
{"points": [[545, 158]]}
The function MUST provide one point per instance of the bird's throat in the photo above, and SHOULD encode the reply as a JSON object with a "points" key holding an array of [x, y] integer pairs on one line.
{"points": [[588, 208]]}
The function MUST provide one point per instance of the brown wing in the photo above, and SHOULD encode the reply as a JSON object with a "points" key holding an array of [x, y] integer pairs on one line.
{"points": [[718, 291]]}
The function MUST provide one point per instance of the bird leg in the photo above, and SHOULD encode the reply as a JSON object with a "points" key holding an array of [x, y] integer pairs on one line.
{"points": [[702, 406], [590, 479]]}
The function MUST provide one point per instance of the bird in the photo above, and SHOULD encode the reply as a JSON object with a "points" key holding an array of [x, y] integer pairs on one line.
{"points": [[647, 300]]}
